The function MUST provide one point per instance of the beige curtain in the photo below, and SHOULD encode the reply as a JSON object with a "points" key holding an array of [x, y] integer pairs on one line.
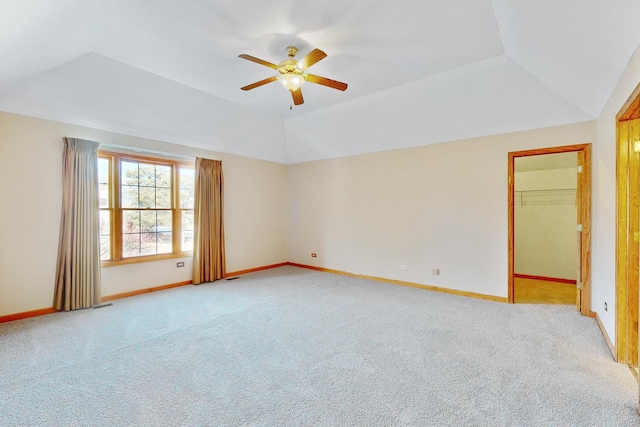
{"points": [[208, 239], [78, 268]]}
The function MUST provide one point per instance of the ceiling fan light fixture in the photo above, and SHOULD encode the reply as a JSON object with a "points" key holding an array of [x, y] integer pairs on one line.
{"points": [[290, 81]]}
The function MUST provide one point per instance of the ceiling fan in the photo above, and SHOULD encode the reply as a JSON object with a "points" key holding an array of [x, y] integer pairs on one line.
{"points": [[292, 73]]}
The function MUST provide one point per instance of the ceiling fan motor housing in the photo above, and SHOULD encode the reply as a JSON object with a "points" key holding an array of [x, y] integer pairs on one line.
{"points": [[290, 65]]}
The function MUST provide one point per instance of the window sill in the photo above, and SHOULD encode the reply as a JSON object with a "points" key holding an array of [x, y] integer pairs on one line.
{"points": [[149, 258]]}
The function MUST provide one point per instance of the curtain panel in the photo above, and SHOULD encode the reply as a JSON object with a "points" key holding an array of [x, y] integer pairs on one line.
{"points": [[78, 267], [208, 239]]}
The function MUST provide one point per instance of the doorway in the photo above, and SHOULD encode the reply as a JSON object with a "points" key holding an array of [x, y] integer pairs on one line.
{"points": [[628, 229], [545, 213], [583, 225]]}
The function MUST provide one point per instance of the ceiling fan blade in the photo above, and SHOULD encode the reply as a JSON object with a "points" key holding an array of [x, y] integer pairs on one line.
{"points": [[311, 58], [326, 82], [297, 97], [260, 83], [258, 61]]}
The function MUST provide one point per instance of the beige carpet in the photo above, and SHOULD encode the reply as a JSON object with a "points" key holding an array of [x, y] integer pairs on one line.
{"points": [[294, 347]]}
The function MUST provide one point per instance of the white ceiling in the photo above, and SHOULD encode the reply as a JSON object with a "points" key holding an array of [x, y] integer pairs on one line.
{"points": [[419, 72]]}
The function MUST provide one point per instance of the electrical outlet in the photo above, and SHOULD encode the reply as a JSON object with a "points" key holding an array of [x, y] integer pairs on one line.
{"points": [[605, 306], [403, 267], [435, 271], [314, 255], [180, 264]]}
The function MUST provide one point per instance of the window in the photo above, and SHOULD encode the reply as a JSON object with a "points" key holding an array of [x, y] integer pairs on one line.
{"points": [[146, 208]]}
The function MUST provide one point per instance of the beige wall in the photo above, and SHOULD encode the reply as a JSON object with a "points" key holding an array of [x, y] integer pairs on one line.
{"points": [[604, 198], [31, 191], [546, 242], [437, 206]]}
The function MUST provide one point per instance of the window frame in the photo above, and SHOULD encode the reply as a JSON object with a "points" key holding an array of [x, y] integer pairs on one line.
{"points": [[116, 211]]}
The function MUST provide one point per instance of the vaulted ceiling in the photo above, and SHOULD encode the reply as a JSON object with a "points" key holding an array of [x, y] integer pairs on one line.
{"points": [[419, 71]]}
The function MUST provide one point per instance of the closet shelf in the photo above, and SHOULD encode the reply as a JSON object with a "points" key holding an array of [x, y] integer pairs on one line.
{"points": [[556, 196]]}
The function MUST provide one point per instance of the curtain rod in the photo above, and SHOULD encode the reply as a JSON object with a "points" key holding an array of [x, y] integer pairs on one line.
{"points": [[145, 150]]}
